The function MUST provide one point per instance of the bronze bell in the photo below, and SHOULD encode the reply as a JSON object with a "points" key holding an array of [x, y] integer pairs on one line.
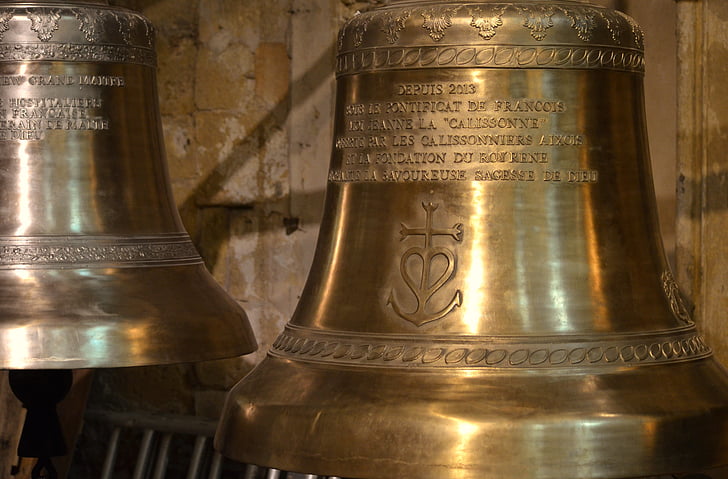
{"points": [[489, 297], [96, 269]]}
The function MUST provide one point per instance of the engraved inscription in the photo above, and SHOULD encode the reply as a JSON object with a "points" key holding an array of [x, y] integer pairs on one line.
{"points": [[453, 131], [32, 117], [431, 280]]}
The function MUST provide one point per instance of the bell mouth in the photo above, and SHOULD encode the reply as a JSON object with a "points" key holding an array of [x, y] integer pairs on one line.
{"points": [[108, 317], [381, 423]]}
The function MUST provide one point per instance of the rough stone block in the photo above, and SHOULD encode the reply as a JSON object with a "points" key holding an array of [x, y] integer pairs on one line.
{"points": [[264, 273], [225, 22], [229, 159], [213, 243], [176, 75], [272, 71], [239, 168], [224, 78], [171, 18], [179, 139], [275, 20]]}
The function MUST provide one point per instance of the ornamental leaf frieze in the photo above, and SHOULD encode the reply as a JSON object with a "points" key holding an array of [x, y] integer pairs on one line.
{"points": [[5, 17], [672, 292], [614, 24], [91, 22], [359, 28], [392, 25], [44, 22], [538, 19], [129, 23], [487, 19], [637, 33], [583, 20], [437, 20]]}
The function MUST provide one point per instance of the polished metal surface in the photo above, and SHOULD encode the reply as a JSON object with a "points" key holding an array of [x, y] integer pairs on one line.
{"points": [[490, 296], [96, 269]]}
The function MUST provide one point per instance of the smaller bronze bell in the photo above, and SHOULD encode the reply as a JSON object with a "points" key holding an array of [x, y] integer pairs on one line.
{"points": [[96, 269]]}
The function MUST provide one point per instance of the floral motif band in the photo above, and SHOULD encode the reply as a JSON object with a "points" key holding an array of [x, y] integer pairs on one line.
{"points": [[463, 35], [97, 251], [94, 34]]}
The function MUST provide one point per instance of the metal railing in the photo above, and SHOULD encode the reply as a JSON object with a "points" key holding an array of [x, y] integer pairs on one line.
{"points": [[152, 444]]}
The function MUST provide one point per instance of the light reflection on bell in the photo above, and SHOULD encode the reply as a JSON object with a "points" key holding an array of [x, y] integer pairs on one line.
{"points": [[490, 296], [96, 269]]}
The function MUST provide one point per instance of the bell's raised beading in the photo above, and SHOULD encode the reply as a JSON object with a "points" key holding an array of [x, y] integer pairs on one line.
{"points": [[96, 268], [490, 296]]}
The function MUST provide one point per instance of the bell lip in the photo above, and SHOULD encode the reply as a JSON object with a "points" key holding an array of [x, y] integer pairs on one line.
{"points": [[118, 317], [259, 419], [112, 363]]}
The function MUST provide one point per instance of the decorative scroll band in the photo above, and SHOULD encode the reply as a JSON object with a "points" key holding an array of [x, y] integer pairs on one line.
{"points": [[96, 251], [491, 56], [93, 34], [10, 52], [494, 353]]}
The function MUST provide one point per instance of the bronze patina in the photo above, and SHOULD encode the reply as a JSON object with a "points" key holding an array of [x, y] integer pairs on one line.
{"points": [[490, 296], [96, 269]]}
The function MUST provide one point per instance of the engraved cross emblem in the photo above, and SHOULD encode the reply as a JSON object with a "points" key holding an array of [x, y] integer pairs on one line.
{"points": [[431, 279]]}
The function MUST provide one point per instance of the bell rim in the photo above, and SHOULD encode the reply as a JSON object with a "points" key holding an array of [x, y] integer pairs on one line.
{"points": [[118, 317], [257, 426]]}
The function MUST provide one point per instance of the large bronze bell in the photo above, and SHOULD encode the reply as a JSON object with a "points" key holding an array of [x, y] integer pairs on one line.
{"points": [[490, 297], [96, 269]]}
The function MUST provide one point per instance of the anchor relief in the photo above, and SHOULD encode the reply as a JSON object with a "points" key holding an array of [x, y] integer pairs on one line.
{"points": [[436, 267]]}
